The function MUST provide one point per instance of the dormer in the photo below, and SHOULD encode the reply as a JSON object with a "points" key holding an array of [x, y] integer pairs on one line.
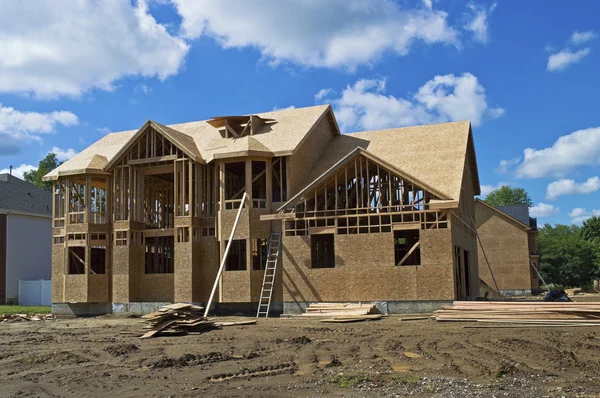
{"points": [[239, 126]]}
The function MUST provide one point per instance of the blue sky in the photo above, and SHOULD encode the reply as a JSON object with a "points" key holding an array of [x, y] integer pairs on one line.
{"points": [[524, 73]]}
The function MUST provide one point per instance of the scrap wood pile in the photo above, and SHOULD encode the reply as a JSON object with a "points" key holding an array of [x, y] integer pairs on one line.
{"points": [[343, 312], [26, 318], [522, 313], [181, 319]]}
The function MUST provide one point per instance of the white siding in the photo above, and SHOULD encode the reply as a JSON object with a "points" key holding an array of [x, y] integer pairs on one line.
{"points": [[28, 250]]}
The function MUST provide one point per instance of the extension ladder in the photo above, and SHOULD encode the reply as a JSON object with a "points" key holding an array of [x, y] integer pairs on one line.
{"points": [[269, 279]]}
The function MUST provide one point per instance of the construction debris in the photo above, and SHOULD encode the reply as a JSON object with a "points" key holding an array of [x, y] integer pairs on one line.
{"points": [[25, 317], [522, 313], [180, 319]]}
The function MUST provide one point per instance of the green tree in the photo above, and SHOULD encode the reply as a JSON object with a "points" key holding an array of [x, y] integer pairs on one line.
{"points": [[590, 230], [507, 196], [565, 257], [45, 166]]}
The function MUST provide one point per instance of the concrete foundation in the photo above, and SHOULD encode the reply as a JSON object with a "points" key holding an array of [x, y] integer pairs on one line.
{"points": [[385, 307], [516, 292], [219, 309]]}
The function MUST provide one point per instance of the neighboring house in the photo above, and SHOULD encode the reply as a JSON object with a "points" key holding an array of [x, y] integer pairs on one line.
{"points": [[145, 215], [25, 235], [508, 236]]}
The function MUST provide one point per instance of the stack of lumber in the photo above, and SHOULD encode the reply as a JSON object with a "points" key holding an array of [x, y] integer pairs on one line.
{"points": [[522, 313], [180, 319], [176, 320], [343, 312]]}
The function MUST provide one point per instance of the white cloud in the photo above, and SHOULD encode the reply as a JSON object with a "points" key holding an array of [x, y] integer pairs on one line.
{"points": [[486, 189], [29, 125], [332, 34], [323, 93], [63, 154], [564, 58], [579, 214], [479, 24], [570, 187], [428, 4], [505, 165], [19, 170], [581, 148], [543, 210], [579, 38], [52, 48], [287, 108], [365, 104]]}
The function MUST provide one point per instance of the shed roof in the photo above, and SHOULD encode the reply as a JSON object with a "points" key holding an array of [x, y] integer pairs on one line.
{"points": [[22, 197]]}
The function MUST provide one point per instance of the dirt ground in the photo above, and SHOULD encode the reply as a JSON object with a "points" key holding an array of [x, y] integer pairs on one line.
{"points": [[103, 356]]}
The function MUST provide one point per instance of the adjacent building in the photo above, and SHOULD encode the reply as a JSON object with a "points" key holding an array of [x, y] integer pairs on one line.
{"points": [[508, 236], [25, 235], [145, 215]]}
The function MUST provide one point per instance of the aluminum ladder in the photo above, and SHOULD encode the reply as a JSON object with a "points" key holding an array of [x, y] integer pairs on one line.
{"points": [[269, 279]]}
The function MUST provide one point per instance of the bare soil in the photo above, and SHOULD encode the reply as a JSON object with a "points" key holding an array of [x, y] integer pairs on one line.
{"points": [[104, 356]]}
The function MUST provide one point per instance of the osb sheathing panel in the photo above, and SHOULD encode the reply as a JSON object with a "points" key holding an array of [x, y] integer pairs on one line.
{"points": [[236, 287], [184, 272], [76, 288], [120, 288], [308, 153], [98, 288], [364, 271], [506, 245], [207, 261], [259, 229], [120, 263], [58, 267], [226, 221], [435, 277], [157, 287]]}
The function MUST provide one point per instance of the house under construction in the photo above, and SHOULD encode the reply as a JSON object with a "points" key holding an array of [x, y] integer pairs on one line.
{"points": [[148, 215]]}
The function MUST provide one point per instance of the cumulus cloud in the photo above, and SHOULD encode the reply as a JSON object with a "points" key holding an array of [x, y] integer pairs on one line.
{"points": [[53, 48], [29, 125], [579, 214], [570, 187], [505, 165], [581, 148], [579, 38], [543, 210], [479, 23], [365, 104], [322, 94], [560, 60], [332, 34], [63, 154], [19, 170]]}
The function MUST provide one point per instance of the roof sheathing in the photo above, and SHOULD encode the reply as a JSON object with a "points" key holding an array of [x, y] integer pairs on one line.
{"points": [[435, 154]]}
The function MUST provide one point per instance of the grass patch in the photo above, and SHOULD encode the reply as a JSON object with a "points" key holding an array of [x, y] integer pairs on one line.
{"points": [[24, 309], [406, 380], [349, 381]]}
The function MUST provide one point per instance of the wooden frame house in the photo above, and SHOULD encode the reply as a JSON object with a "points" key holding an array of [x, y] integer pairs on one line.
{"points": [[145, 215]]}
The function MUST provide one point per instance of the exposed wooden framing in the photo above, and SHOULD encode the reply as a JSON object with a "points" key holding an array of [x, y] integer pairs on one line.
{"points": [[158, 159], [407, 255]]}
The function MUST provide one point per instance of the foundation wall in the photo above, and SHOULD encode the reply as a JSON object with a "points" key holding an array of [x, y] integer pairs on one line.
{"points": [[506, 246]]}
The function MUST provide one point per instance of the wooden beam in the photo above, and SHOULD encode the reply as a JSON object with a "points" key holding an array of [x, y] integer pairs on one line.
{"points": [[412, 249], [166, 158]]}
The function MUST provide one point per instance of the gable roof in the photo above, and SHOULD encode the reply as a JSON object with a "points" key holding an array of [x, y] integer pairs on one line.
{"points": [[182, 141], [20, 196], [501, 213], [205, 143], [434, 154], [360, 151]]}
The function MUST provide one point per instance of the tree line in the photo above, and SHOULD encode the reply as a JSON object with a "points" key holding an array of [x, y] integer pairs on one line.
{"points": [[569, 254]]}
